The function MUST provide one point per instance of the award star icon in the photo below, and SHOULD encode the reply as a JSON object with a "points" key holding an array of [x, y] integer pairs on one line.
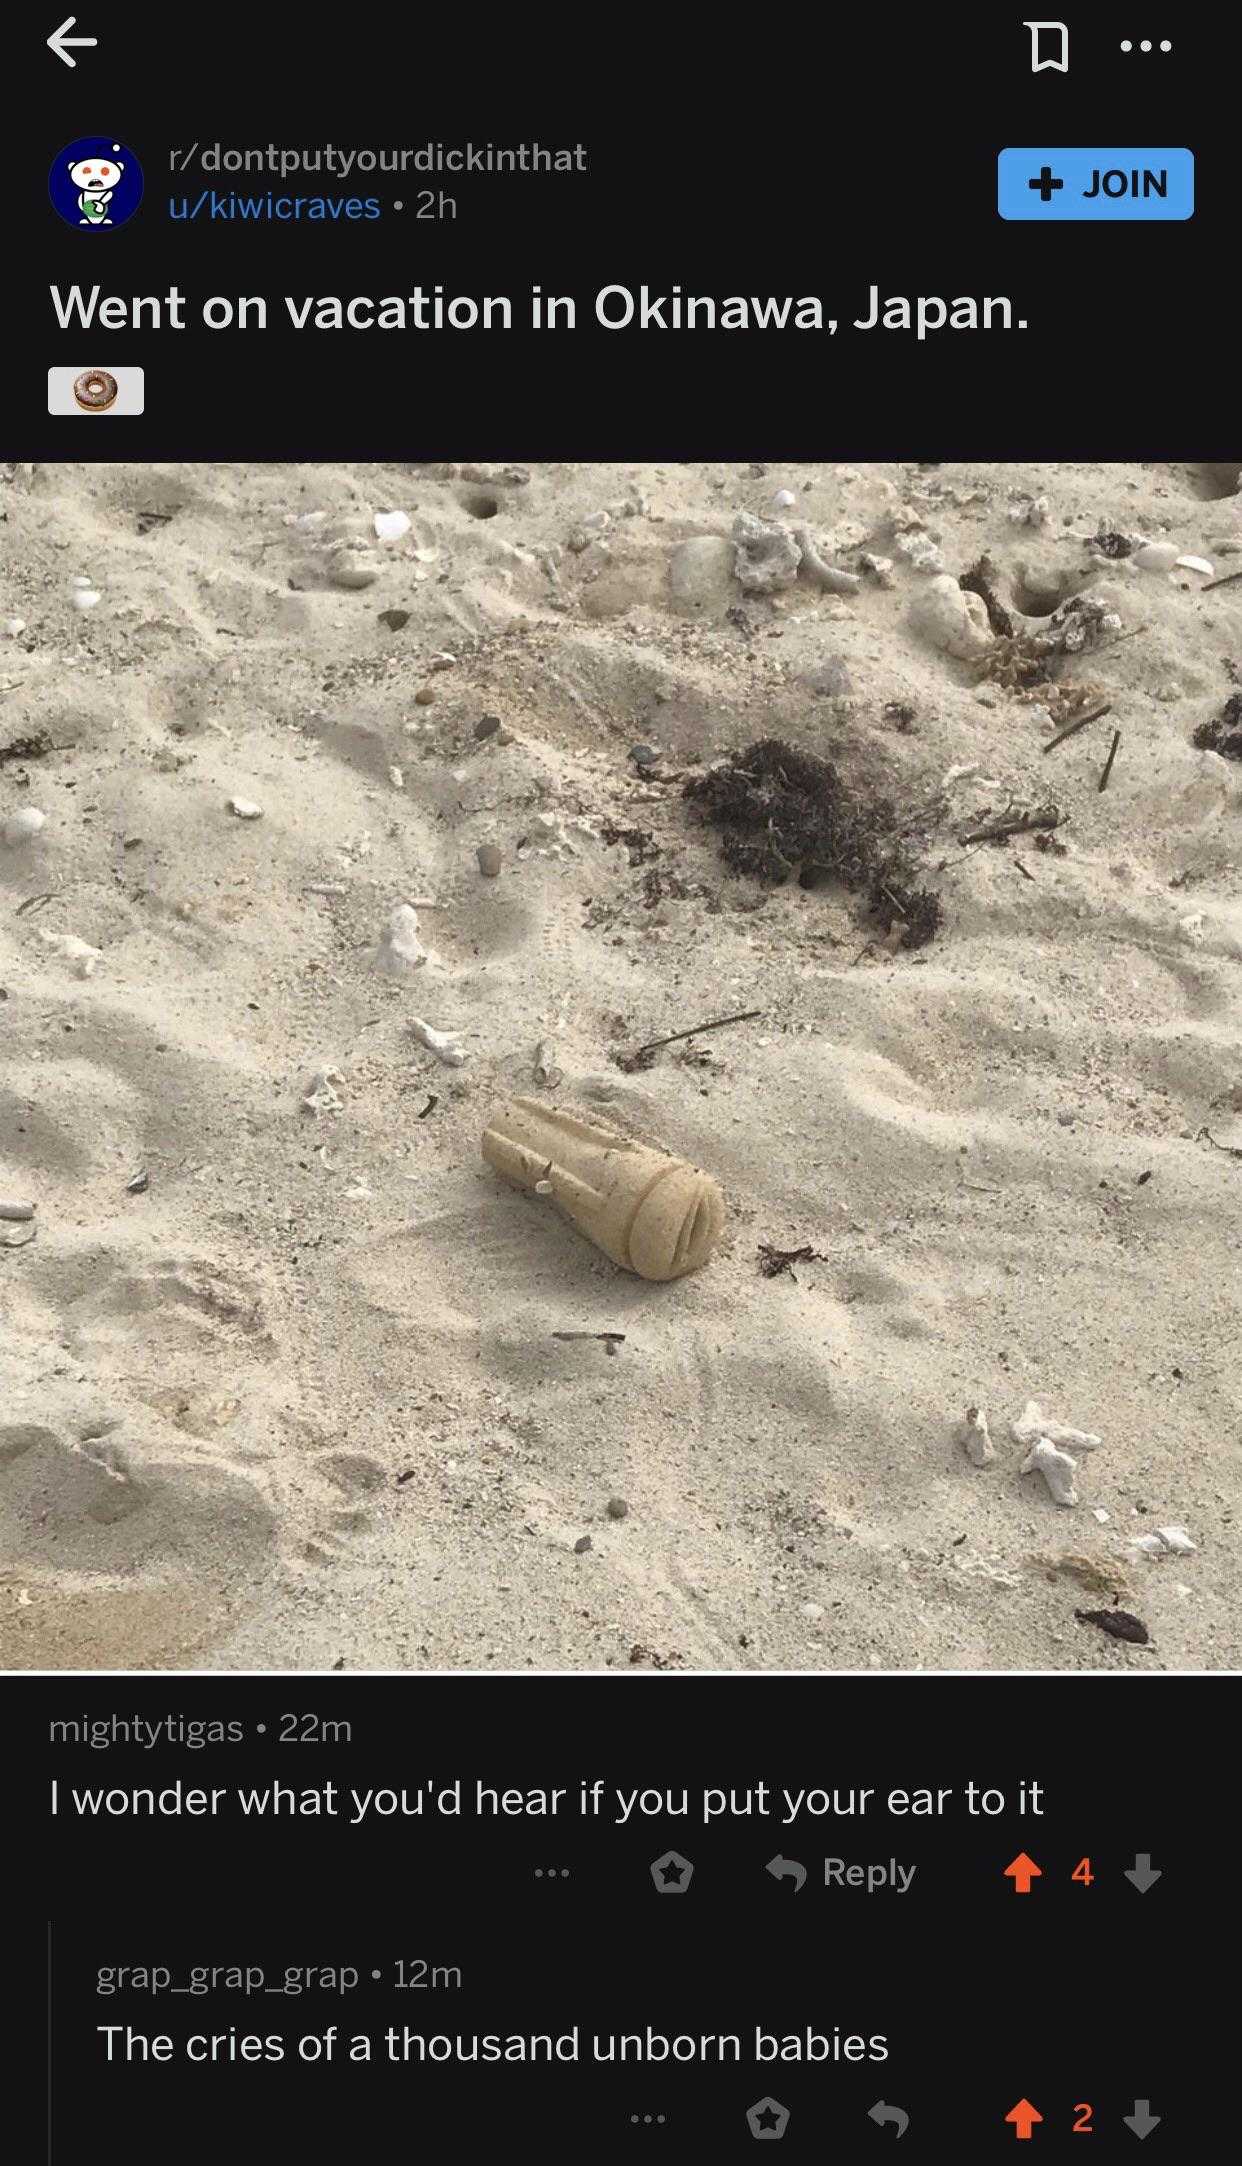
{"points": [[768, 2120], [672, 1873]]}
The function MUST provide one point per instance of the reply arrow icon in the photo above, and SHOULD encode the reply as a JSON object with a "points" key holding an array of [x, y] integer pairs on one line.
{"points": [[1022, 1872], [893, 2116], [787, 1869]]}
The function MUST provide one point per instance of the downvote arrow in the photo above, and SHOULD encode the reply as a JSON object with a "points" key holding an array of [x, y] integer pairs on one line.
{"points": [[1142, 2120], [1142, 1875]]}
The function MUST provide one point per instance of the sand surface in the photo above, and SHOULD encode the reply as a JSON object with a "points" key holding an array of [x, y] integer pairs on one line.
{"points": [[295, 1401]]}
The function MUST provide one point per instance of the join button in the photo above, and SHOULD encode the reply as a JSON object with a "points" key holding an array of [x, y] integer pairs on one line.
{"points": [[1114, 185]]}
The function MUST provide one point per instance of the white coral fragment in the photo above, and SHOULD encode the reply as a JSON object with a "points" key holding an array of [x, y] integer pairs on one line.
{"points": [[817, 568], [1034, 1424], [400, 949], [972, 1435], [1057, 1468], [440, 1042], [1167, 1542], [321, 1095], [78, 952]]}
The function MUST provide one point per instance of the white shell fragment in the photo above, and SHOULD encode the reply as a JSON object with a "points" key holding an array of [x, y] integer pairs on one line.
{"points": [[243, 809], [1034, 1424], [85, 597], [1167, 1542], [784, 499], [22, 826], [1196, 564], [1155, 557], [391, 525], [1057, 1468], [972, 1435], [14, 626], [321, 1095], [78, 952], [400, 949], [440, 1042]]}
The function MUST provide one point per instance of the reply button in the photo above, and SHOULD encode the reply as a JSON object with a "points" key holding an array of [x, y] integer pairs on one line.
{"points": [[1116, 185]]}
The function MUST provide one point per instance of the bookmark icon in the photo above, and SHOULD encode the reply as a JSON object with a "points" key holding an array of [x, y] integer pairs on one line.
{"points": [[1049, 46]]}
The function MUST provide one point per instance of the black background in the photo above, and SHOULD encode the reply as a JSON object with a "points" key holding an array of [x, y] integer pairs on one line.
{"points": [[764, 154], [785, 156], [1071, 1994]]}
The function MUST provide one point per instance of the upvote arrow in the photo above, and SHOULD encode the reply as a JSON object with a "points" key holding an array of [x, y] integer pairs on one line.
{"points": [[1022, 1872], [787, 1869], [1023, 2117], [1142, 2120], [880, 2114], [1142, 1874]]}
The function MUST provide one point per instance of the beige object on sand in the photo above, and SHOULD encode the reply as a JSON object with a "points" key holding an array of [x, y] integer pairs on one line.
{"points": [[652, 1214]]}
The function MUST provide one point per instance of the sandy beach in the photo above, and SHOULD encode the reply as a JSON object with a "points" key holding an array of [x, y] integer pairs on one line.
{"points": [[279, 1385]]}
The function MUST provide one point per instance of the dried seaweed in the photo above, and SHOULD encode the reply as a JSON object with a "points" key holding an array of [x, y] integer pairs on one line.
{"points": [[785, 814], [35, 747], [980, 580], [1224, 733]]}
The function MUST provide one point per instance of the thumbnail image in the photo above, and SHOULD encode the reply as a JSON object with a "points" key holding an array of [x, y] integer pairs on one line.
{"points": [[628, 1068]]}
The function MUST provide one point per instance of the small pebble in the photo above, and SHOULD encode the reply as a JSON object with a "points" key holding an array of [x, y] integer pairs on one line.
{"points": [[486, 726], [645, 755], [391, 525], [22, 826], [243, 809], [488, 857], [617, 1508], [425, 696], [14, 625], [582, 1545]]}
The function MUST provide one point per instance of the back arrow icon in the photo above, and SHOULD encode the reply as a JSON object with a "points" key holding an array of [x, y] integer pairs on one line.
{"points": [[58, 41], [1141, 1874], [880, 2113], [1142, 2120], [787, 1869]]}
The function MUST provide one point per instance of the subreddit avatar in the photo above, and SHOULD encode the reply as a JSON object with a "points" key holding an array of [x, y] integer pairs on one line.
{"points": [[96, 183]]}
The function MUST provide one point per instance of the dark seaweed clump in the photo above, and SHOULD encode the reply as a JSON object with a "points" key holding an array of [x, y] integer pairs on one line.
{"points": [[1224, 735], [785, 814]]}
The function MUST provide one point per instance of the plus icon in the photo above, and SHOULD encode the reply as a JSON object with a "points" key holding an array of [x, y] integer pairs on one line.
{"points": [[1046, 184]]}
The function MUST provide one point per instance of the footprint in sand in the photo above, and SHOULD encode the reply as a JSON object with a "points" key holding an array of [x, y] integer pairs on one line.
{"points": [[111, 1560]]}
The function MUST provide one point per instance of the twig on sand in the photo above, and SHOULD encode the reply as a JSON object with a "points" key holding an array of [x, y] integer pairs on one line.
{"points": [[1227, 581], [611, 1339], [653, 1045], [1017, 823], [1071, 728], [1231, 1150], [1108, 764], [35, 902]]}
